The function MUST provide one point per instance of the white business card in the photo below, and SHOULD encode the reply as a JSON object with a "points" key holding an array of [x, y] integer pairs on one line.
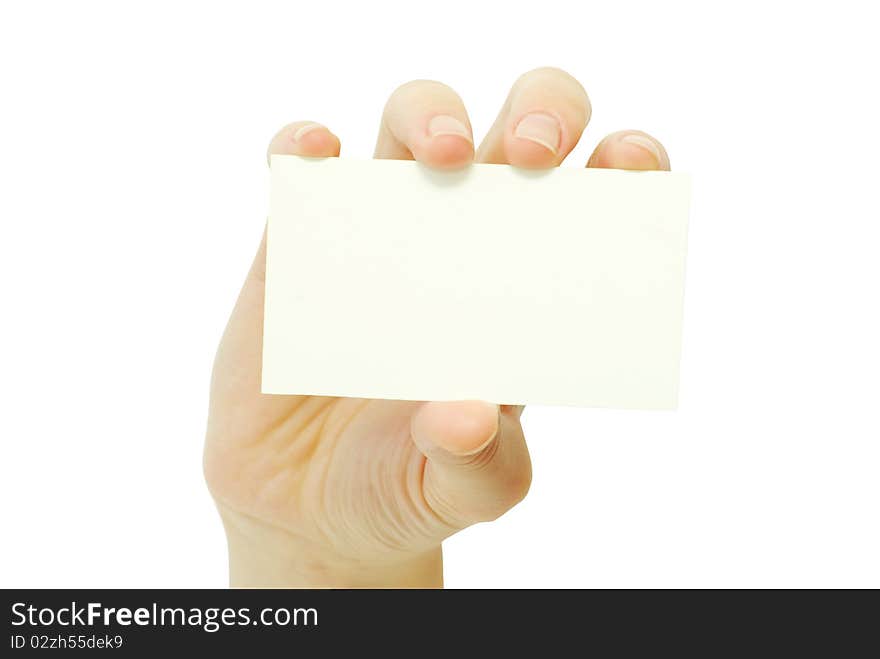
{"points": [[387, 279]]}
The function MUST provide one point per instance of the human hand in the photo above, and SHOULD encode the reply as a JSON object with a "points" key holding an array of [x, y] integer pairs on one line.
{"points": [[319, 491]]}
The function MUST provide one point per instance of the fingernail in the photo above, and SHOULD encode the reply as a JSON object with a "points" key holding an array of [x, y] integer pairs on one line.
{"points": [[645, 143], [303, 130], [443, 124], [541, 129]]}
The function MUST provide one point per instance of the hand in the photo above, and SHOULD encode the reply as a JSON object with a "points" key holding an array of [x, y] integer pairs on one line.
{"points": [[317, 491]]}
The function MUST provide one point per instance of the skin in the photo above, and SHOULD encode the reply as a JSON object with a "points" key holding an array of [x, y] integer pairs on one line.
{"points": [[342, 492]]}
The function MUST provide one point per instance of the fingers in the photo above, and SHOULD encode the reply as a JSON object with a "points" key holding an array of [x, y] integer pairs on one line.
{"points": [[237, 367], [300, 138], [540, 123], [630, 149], [478, 466], [304, 138], [426, 121]]}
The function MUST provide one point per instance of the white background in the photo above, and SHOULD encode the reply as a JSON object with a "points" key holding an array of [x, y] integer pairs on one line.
{"points": [[133, 191]]}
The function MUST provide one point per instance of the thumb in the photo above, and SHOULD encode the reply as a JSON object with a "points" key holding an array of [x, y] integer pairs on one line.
{"points": [[478, 466]]}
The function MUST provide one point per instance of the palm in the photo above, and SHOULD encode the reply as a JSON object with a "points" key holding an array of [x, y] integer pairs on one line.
{"points": [[342, 472], [347, 475]]}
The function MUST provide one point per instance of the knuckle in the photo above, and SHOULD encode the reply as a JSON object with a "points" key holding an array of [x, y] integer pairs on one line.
{"points": [[504, 496], [559, 80], [516, 489], [551, 74], [414, 88]]}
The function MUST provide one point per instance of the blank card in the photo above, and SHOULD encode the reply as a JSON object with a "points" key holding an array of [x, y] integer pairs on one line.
{"points": [[386, 279]]}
